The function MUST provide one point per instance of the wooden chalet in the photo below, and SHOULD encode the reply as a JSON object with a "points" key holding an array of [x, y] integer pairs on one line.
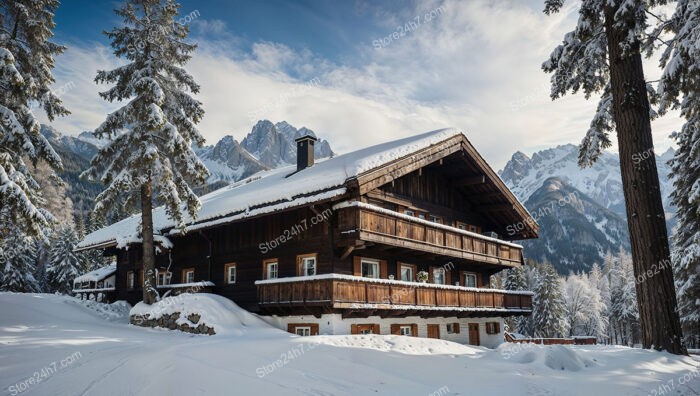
{"points": [[400, 238]]}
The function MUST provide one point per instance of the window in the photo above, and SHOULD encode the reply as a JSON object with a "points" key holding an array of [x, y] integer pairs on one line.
{"points": [[163, 277], [439, 276], [421, 216], [435, 219], [130, 280], [409, 212], [370, 268], [303, 331], [473, 228], [407, 273], [462, 226], [188, 275], [307, 265], [493, 327], [453, 328], [469, 279], [405, 330], [230, 272], [365, 328], [271, 269]]}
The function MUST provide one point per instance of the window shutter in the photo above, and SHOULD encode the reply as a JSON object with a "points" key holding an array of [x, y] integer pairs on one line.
{"points": [[382, 269], [448, 277], [478, 280], [375, 329], [497, 328], [314, 328], [456, 328], [357, 266], [395, 330], [353, 329], [290, 328], [414, 330]]}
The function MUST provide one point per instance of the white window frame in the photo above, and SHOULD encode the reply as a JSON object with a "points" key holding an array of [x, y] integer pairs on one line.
{"points": [[409, 212], [167, 277], [305, 268], [440, 271], [405, 330], [412, 278], [189, 279], [435, 219], [470, 275], [272, 274], [305, 331], [228, 274], [374, 263]]}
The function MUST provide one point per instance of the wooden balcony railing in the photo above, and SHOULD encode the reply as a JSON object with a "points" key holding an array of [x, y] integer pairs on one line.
{"points": [[367, 222], [353, 292]]}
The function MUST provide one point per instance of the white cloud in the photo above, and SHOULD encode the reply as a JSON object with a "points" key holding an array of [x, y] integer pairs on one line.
{"points": [[475, 67]]}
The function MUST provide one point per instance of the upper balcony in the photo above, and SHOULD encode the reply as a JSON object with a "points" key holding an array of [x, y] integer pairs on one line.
{"points": [[358, 296], [370, 223]]}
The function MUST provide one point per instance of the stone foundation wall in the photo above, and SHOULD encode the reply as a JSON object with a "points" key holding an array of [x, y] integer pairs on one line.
{"points": [[169, 321]]}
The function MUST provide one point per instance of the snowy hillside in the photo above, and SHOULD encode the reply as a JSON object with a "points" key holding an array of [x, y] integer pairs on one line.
{"points": [[601, 182], [581, 231], [69, 348]]}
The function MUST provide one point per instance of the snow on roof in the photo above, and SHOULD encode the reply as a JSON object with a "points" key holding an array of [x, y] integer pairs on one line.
{"points": [[276, 189], [98, 274]]}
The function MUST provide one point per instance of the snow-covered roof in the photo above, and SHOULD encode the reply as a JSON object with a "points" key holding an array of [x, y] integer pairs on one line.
{"points": [[274, 190], [98, 274]]}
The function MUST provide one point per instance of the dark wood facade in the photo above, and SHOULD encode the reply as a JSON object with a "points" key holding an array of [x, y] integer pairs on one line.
{"points": [[427, 211]]}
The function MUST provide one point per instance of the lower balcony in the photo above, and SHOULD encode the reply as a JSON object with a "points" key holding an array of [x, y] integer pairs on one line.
{"points": [[355, 296]]}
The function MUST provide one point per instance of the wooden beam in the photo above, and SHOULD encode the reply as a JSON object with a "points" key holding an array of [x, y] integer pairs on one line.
{"points": [[347, 252], [470, 180]]}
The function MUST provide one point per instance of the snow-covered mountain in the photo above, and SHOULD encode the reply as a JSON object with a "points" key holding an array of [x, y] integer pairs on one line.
{"points": [[578, 232], [602, 182], [274, 146], [267, 146], [575, 230]]}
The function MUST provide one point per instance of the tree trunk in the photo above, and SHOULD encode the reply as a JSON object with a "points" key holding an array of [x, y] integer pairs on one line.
{"points": [[656, 297], [149, 270]]}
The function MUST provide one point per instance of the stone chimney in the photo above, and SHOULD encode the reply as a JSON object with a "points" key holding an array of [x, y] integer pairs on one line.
{"points": [[305, 151]]}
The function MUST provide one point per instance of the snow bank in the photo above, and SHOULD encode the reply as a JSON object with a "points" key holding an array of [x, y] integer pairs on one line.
{"points": [[401, 344], [555, 357], [210, 310], [117, 311]]}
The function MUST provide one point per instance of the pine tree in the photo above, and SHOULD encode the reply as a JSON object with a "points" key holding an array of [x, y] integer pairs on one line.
{"points": [[623, 299], [603, 54], [515, 280], [151, 136], [17, 265], [679, 88], [599, 322], [26, 60], [64, 264], [548, 307]]}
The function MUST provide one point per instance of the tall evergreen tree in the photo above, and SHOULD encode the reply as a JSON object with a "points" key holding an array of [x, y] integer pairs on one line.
{"points": [[64, 264], [603, 54], [16, 264], [548, 307], [26, 60], [515, 280], [679, 88], [152, 135]]}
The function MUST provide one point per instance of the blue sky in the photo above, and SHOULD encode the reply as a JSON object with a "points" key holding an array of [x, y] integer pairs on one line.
{"points": [[474, 65]]}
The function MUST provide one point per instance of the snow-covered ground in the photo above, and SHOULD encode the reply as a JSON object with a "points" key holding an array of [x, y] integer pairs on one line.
{"points": [[55, 345]]}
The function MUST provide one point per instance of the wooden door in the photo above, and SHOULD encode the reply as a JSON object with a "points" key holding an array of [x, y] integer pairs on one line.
{"points": [[474, 333], [433, 331]]}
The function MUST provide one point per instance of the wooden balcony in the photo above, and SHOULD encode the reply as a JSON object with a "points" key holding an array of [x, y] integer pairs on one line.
{"points": [[357, 296], [365, 222]]}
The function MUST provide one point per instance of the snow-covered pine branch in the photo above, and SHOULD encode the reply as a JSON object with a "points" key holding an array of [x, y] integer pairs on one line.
{"points": [[26, 61]]}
